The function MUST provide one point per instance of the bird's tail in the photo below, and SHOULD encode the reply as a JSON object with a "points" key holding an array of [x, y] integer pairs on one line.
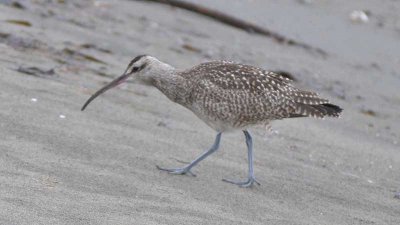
{"points": [[310, 104]]}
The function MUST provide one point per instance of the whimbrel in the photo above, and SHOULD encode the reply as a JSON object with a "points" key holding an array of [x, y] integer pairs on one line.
{"points": [[226, 96]]}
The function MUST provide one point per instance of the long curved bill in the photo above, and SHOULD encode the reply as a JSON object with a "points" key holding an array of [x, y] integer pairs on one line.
{"points": [[112, 84]]}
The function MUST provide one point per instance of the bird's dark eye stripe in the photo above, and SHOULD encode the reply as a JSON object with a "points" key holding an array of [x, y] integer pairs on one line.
{"points": [[135, 69]]}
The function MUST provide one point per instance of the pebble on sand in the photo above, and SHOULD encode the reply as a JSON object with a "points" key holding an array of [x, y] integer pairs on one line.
{"points": [[359, 16]]}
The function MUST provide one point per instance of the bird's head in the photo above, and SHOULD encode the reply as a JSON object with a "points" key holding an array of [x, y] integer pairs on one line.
{"points": [[142, 68]]}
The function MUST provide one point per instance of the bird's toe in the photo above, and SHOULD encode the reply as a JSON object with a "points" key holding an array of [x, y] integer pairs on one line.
{"points": [[179, 171], [248, 183]]}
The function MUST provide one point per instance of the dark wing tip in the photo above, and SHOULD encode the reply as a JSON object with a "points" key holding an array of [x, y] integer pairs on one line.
{"points": [[318, 111], [286, 74], [333, 109]]}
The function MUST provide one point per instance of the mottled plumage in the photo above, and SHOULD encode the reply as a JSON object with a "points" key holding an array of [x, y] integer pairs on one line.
{"points": [[227, 96]]}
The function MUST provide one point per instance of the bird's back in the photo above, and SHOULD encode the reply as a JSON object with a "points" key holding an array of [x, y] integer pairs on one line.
{"points": [[227, 95]]}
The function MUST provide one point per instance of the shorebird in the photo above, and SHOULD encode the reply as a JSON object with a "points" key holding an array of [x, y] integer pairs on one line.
{"points": [[226, 96]]}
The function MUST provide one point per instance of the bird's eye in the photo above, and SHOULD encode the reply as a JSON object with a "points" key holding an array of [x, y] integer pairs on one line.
{"points": [[135, 69]]}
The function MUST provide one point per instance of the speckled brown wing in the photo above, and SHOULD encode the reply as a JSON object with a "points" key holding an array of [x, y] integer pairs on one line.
{"points": [[238, 95], [244, 95]]}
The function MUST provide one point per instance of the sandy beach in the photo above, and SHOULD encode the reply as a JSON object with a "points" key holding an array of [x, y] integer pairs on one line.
{"points": [[59, 165]]}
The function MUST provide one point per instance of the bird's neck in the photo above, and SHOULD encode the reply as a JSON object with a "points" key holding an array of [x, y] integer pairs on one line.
{"points": [[171, 84]]}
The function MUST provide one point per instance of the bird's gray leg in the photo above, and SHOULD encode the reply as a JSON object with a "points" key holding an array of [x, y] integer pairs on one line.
{"points": [[251, 179], [186, 169]]}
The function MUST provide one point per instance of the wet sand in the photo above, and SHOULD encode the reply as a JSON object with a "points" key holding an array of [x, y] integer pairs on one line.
{"points": [[59, 165]]}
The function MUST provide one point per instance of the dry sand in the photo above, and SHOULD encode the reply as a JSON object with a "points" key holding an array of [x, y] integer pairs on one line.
{"points": [[59, 165]]}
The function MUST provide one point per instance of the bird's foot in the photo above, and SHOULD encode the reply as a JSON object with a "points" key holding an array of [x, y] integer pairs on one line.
{"points": [[248, 183], [180, 171]]}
